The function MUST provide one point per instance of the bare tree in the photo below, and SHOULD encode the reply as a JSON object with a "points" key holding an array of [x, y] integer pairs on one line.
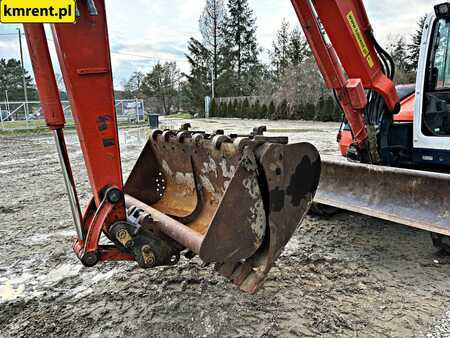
{"points": [[162, 83], [212, 22], [398, 49], [300, 86], [134, 84]]}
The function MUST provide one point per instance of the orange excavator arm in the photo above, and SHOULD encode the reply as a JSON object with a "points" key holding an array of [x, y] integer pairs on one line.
{"points": [[351, 63]]}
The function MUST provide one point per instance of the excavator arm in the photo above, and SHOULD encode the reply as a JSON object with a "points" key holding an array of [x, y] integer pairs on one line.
{"points": [[351, 63], [361, 73]]}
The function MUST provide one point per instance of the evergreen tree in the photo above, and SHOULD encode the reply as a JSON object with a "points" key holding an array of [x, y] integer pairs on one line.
{"points": [[222, 109], [282, 110], [242, 47], [245, 109], [299, 112], [309, 112], [271, 110], [281, 49], [299, 49], [414, 46], [320, 108], [198, 78], [256, 110], [264, 112], [231, 109], [228, 108], [213, 109], [12, 81]]}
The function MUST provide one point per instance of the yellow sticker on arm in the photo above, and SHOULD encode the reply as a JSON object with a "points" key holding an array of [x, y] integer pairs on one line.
{"points": [[360, 38], [370, 61]]}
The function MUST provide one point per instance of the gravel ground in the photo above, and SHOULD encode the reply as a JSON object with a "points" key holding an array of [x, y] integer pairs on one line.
{"points": [[348, 275]]}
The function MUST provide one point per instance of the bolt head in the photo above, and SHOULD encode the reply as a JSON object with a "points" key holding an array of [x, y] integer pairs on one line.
{"points": [[89, 259], [122, 235], [148, 256], [114, 195]]}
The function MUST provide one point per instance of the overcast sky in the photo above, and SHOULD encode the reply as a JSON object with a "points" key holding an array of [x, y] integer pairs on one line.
{"points": [[143, 31]]}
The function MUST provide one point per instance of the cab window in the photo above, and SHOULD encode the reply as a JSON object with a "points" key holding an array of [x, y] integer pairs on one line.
{"points": [[436, 112]]}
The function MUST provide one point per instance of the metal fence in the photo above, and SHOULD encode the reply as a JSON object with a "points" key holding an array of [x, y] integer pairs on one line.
{"points": [[130, 111]]}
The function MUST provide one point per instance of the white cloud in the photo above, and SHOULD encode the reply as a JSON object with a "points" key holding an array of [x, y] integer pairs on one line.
{"points": [[160, 29]]}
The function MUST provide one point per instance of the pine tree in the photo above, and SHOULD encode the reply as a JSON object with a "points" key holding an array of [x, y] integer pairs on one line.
{"points": [[228, 109], [264, 112], [213, 110], [224, 109], [11, 80], [271, 111], [282, 110], [198, 78], [245, 109], [256, 110], [310, 112], [242, 46], [236, 108], [281, 48], [414, 47], [299, 49]]}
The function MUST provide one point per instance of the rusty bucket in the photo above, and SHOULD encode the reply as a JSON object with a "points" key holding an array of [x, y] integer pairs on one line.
{"points": [[234, 201]]}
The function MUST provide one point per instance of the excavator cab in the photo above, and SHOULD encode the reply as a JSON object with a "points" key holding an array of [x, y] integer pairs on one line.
{"points": [[432, 110], [232, 200]]}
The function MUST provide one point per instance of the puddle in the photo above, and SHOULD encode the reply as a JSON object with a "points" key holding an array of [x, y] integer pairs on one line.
{"points": [[13, 288], [39, 238], [58, 274], [291, 248], [30, 285], [8, 292], [42, 238]]}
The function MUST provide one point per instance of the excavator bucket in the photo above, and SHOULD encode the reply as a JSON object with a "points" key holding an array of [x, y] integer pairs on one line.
{"points": [[233, 201], [415, 198]]}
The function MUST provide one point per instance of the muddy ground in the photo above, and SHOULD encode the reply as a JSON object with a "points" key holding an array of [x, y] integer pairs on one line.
{"points": [[348, 276]]}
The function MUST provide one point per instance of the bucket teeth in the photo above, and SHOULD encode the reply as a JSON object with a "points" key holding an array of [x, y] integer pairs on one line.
{"points": [[233, 200]]}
